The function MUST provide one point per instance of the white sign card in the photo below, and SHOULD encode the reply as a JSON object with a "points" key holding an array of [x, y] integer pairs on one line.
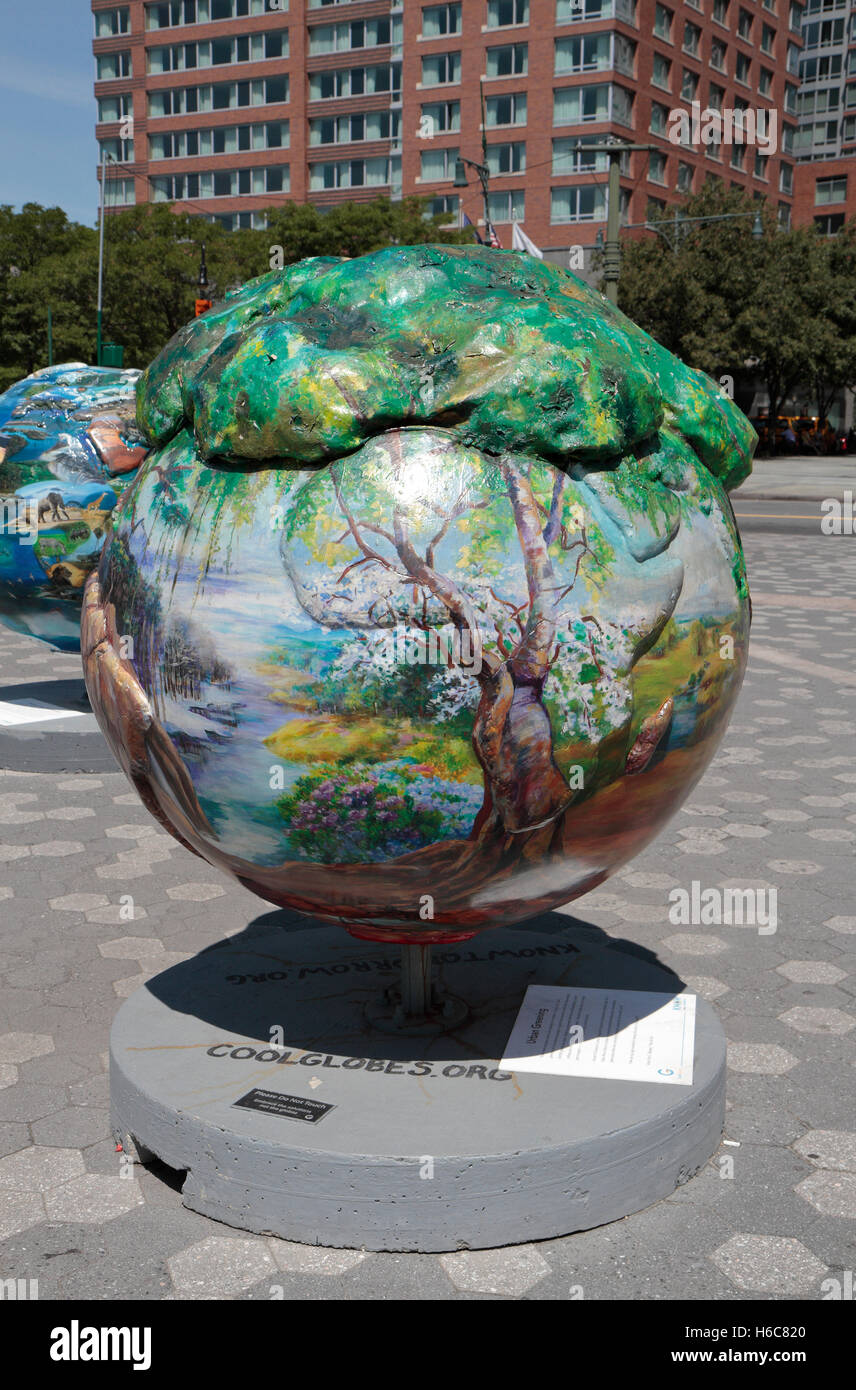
{"points": [[13, 712], [615, 1034]]}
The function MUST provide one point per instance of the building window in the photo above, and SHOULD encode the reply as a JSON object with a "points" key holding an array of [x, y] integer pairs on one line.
{"points": [[109, 66], [220, 183], [218, 96], [663, 23], [507, 159], [827, 66], [830, 224], [622, 106], [831, 190], [575, 11], [718, 51], [661, 75], [109, 23], [507, 207], [584, 203], [768, 38], [441, 117], [119, 193], [122, 151], [625, 55], [589, 53], [439, 69], [738, 156], [351, 129], [823, 33], [761, 164], [594, 53], [502, 14], [744, 25], [512, 60], [440, 20], [349, 173], [795, 15], [341, 38], [742, 64], [656, 166], [445, 206], [243, 48], [784, 216], [578, 105], [175, 12], [786, 178], [659, 118], [790, 99], [188, 144], [354, 82], [233, 221], [570, 158], [715, 96], [692, 39], [436, 165], [689, 85], [685, 177], [505, 110], [719, 13], [765, 82], [179, 12], [115, 108]]}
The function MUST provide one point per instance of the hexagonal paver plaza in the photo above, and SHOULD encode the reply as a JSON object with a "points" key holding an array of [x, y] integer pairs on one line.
{"points": [[95, 899]]}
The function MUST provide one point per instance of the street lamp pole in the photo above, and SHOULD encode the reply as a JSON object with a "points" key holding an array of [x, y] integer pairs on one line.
{"points": [[461, 166], [100, 263], [482, 170], [612, 249], [679, 222]]}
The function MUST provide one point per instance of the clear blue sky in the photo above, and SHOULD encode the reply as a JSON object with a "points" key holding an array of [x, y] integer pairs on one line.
{"points": [[48, 152]]}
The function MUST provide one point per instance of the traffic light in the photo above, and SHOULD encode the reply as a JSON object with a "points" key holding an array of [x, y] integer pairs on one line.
{"points": [[202, 305]]}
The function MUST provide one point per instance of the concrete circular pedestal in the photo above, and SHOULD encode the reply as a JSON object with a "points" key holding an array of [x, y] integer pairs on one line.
{"points": [[253, 1067]]}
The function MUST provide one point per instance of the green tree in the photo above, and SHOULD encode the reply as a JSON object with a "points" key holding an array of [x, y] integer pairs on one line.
{"points": [[151, 269], [44, 262], [835, 361], [719, 296], [687, 285], [353, 229], [786, 321]]}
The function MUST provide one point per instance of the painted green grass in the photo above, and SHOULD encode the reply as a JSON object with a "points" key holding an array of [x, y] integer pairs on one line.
{"points": [[339, 740]]}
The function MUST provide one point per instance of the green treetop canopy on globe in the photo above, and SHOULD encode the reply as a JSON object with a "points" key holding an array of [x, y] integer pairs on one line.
{"points": [[437, 602]]}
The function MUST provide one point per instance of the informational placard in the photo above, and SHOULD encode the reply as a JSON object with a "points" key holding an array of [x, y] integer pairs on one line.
{"points": [[288, 1107], [613, 1034]]}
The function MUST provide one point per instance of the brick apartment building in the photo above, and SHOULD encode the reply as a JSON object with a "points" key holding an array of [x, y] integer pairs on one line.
{"points": [[825, 175], [239, 104]]}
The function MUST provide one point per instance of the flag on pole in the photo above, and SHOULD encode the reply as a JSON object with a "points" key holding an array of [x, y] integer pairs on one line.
{"points": [[521, 242], [465, 222], [492, 238]]}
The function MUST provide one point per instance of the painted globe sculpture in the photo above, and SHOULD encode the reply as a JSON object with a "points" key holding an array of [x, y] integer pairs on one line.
{"points": [[68, 445], [427, 608]]}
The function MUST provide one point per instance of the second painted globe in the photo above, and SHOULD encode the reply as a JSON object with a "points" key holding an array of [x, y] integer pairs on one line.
{"points": [[427, 608]]}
